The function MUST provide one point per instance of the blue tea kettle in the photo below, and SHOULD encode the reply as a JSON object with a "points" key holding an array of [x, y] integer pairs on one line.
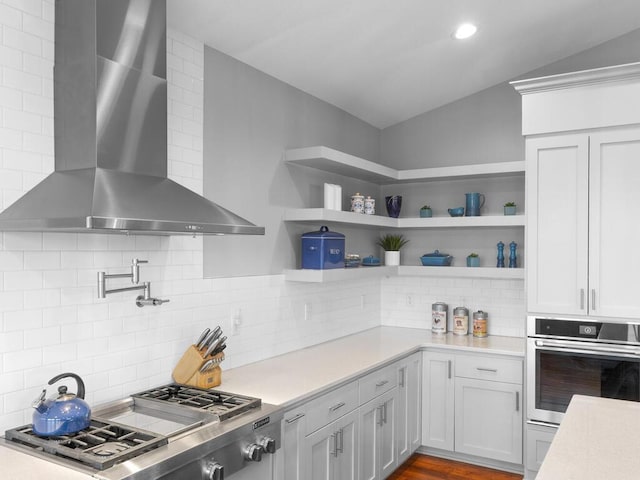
{"points": [[62, 415]]}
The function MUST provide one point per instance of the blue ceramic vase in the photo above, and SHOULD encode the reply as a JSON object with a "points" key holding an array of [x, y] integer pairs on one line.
{"points": [[393, 203]]}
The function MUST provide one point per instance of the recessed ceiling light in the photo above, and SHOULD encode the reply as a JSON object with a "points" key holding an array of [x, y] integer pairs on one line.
{"points": [[465, 30]]}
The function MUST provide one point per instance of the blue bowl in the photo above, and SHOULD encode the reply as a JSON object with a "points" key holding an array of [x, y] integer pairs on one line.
{"points": [[456, 212]]}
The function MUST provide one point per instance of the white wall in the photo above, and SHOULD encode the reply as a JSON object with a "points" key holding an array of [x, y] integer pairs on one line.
{"points": [[51, 318]]}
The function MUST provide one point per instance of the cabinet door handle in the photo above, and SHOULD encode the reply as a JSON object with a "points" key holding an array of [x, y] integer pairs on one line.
{"points": [[295, 418], [449, 368], [582, 299], [483, 369], [334, 437], [382, 383], [380, 420], [593, 299], [517, 401], [402, 372], [336, 407], [384, 409], [340, 435]]}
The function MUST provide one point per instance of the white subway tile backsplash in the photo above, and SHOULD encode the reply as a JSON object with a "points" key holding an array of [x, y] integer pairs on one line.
{"points": [[18, 360], [45, 298], [22, 280]]}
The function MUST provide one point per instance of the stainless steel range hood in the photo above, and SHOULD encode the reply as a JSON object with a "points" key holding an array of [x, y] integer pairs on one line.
{"points": [[110, 121]]}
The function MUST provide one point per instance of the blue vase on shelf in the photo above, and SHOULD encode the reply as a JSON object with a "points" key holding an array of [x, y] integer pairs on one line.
{"points": [[393, 203]]}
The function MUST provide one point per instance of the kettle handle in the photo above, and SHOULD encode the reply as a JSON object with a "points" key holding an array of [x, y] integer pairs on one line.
{"points": [[80, 392]]}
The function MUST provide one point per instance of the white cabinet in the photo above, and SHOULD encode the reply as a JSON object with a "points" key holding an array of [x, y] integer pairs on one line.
{"points": [[580, 240], [538, 441], [357, 430], [488, 419], [437, 400], [294, 429], [472, 404], [332, 451], [408, 428], [378, 457]]}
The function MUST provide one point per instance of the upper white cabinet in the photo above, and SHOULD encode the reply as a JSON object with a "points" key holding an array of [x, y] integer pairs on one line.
{"points": [[581, 186]]}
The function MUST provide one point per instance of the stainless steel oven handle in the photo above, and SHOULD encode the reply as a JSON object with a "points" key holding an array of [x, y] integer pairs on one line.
{"points": [[578, 347]]}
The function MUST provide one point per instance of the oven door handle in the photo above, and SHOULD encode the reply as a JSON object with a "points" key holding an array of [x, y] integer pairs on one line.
{"points": [[576, 347]]}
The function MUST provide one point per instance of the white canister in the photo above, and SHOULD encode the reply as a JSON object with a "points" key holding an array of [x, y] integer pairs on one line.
{"points": [[369, 206], [357, 203], [460, 321], [329, 196], [439, 317]]}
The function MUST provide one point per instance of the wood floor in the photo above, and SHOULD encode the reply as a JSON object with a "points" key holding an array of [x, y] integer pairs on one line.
{"points": [[424, 467]]}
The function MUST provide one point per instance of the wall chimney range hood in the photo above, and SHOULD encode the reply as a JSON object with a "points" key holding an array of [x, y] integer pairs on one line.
{"points": [[110, 121]]}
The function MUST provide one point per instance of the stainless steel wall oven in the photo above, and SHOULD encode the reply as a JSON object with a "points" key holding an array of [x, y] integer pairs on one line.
{"points": [[573, 356]]}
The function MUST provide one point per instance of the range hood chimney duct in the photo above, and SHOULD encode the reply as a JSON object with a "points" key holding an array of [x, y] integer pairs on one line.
{"points": [[110, 121]]}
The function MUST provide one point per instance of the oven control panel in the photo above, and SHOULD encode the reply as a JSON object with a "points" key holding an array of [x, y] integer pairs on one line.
{"points": [[567, 328]]}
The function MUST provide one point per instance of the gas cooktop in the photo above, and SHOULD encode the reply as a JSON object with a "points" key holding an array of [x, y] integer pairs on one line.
{"points": [[128, 428]]}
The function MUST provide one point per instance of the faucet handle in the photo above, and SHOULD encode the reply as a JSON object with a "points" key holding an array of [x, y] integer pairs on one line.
{"points": [[141, 301]]}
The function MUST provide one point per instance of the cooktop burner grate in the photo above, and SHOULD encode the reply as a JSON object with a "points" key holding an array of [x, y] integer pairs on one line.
{"points": [[224, 405], [101, 445]]}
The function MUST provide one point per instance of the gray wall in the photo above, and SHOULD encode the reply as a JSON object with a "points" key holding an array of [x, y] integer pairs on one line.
{"points": [[486, 127], [250, 119]]}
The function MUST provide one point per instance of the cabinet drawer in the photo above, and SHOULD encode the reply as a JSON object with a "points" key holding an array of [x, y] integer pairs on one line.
{"points": [[498, 369], [378, 382], [331, 405]]}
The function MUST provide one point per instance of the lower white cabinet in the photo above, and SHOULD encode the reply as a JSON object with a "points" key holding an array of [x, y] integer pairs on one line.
{"points": [[472, 404], [408, 427], [378, 446], [294, 429], [361, 430], [332, 451], [488, 420], [437, 400], [538, 441]]}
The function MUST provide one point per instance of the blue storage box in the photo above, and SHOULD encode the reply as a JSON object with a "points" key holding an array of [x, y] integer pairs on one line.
{"points": [[322, 250]]}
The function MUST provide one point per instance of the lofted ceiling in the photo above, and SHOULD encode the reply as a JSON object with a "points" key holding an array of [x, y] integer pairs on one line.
{"points": [[386, 61]]}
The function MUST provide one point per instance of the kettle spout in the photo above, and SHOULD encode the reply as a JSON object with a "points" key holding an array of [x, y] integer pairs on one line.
{"points": [[39, 403]]}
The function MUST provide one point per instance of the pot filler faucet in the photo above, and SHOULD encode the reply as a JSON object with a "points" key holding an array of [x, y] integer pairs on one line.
{"points": [[142, 300]]}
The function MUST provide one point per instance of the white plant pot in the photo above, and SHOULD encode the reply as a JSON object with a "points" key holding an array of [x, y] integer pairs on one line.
{"points": [[391, 258]]}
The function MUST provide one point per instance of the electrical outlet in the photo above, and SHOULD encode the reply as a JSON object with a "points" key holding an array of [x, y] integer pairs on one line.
{"points": [[236, 320]]}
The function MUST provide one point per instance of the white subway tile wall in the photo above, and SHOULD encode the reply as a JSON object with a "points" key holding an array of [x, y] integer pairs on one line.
{"points": [[51, 318], [407, 301]]}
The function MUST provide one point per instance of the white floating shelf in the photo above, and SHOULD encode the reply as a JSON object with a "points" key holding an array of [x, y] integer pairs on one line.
{"points": [[336, 274], [334, 161], [359, 273], [317, 215], [461, 272]]}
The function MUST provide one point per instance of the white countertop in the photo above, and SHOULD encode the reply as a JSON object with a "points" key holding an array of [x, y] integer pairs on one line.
{"points": [[599, 438], [290, 378], [293, 377]]}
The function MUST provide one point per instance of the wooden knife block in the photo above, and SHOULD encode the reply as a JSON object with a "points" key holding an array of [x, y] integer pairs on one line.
{"points": [[187, 371]]}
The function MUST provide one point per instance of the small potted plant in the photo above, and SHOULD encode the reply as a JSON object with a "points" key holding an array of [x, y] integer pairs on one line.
{"points": [[510, 208], [425, 211], [391, 244], [473, 260]]}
